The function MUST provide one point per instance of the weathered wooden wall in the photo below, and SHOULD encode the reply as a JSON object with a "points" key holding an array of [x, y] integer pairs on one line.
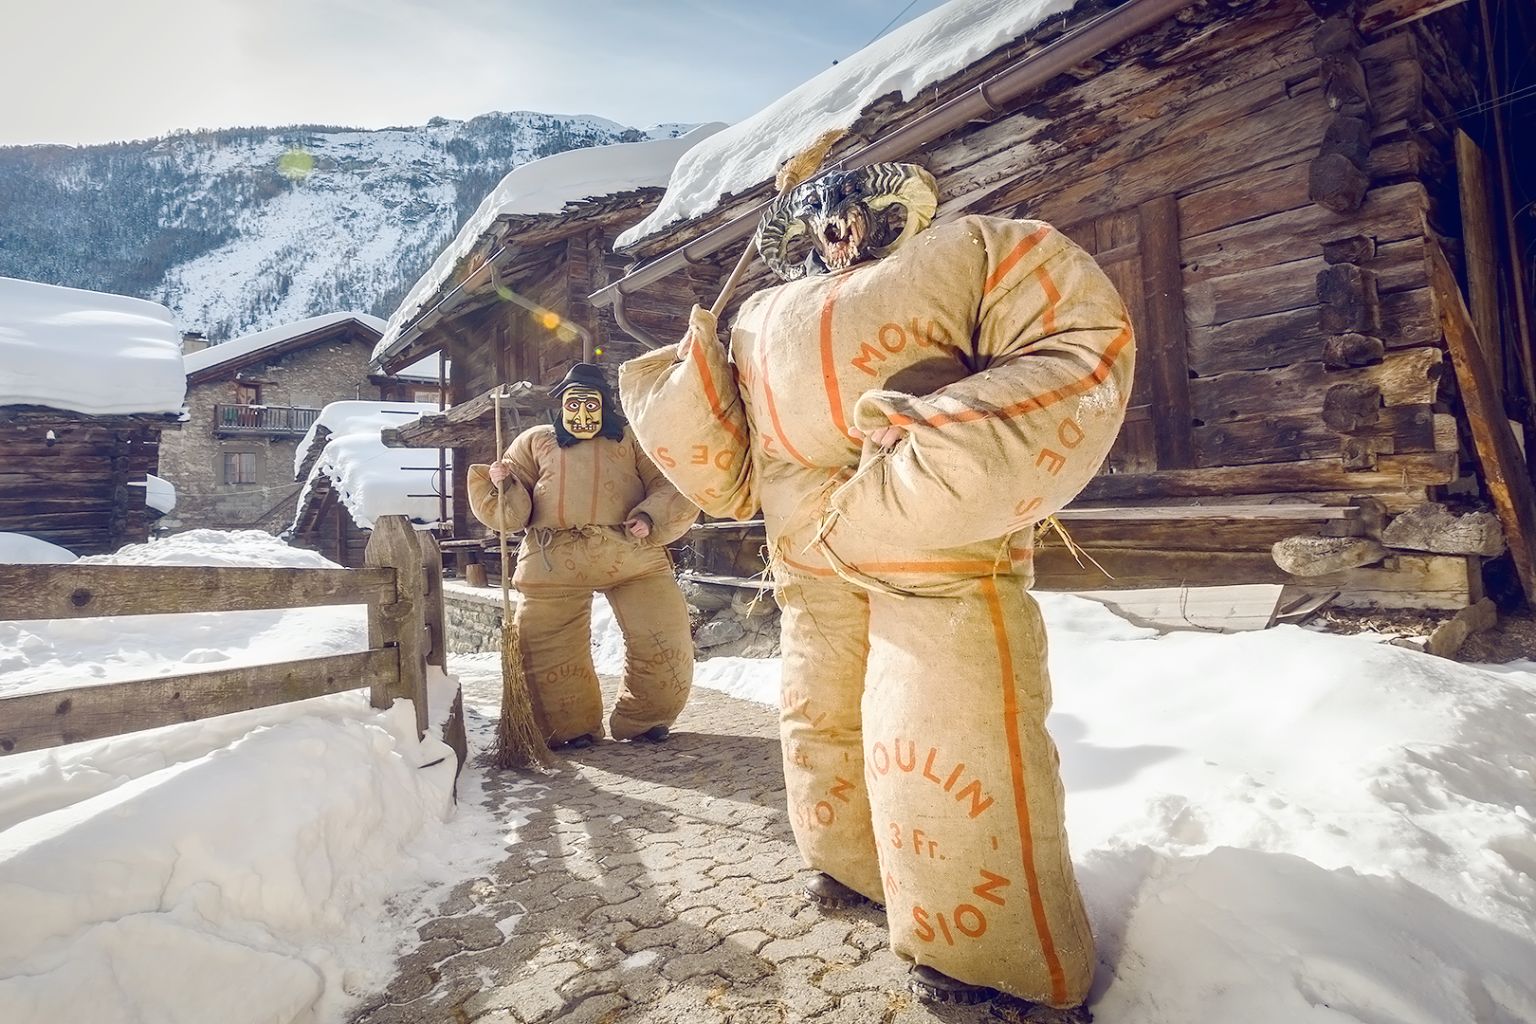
{"points": [[1260, 181], [76, 489]]}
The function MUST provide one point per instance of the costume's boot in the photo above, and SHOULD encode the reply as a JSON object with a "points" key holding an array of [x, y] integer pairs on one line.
{"points": [[932, 986], [655, 734], [830, 894]]}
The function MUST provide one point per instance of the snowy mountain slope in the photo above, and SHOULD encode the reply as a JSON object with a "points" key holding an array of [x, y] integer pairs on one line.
{"points": [[243, 229]]}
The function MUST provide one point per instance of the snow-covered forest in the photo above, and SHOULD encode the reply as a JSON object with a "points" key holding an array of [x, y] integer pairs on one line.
{"points": [[242, 229]]}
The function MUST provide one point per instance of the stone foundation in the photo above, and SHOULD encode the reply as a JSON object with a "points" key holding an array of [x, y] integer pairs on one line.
{"points": [[472, 618]]}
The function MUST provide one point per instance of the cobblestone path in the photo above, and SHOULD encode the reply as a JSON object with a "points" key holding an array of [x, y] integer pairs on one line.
{"points": [[653, 883]]}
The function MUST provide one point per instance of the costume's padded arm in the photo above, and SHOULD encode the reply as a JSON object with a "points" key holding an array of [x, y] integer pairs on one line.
{"points": [[670, 513], [1017, 440], [684, 405], [506, 510]]}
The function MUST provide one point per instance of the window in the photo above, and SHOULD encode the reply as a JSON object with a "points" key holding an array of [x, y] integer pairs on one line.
{"points": [[239, 467], [424, 395], [247, 394]]}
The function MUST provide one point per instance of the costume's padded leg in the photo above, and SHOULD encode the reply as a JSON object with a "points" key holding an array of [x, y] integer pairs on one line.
{"points": [[823, 638], [555, 627], [966, 794], [658, 653]]}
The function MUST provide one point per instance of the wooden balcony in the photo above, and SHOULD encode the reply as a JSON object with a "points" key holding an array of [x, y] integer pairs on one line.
{"points": [[271, 420]]}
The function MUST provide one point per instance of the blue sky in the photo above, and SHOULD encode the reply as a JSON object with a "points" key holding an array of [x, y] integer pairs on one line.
{"points": [[101, 70]]}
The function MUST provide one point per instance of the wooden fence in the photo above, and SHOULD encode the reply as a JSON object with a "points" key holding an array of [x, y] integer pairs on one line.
{"points": [[401, 585]]}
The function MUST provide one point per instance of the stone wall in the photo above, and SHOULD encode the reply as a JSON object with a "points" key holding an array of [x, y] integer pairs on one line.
{"points": [[193, 458], [472, 618], [727, 621]]}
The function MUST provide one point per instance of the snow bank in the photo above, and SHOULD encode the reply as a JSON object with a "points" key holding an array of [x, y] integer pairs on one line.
{"points": [[1285, 825], [547, 186], [921, 53], [258, 867], [215, 355], [238, 886], [370, 479], [88, 352], [19, 549]]}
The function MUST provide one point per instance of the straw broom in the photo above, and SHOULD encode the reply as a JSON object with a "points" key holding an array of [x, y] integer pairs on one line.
{"points": [[519, 741]]}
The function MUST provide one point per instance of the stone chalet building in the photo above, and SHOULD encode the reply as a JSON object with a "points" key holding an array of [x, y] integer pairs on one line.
{"points": [[251, 400]]}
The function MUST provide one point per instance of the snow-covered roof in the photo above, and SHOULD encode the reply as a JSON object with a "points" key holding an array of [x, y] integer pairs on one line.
{"points": [[89, 352], [369, 479], [927, 50], [548, 186], [353, 417], [250, 344]]}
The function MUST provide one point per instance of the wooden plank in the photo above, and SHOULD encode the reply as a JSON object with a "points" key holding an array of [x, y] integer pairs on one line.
{"points": [[1384, 15], [88, 591], [1388, 215], [1229, 609], [402, 622], [740, 582], [1403, 581], [1147, 513], [468, 420], [1478, 249], [1398, 266], [1163, 333], [1186, 534], [1100, 112], [1394, 473], [1517, 260], [1505, 471], [34, 721], [1408, 377], [1400, 429], [726, 524]]}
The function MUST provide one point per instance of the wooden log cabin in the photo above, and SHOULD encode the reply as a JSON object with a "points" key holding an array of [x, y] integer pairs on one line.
{"points": [[1270, 185], [88, 382], [506, 302]]}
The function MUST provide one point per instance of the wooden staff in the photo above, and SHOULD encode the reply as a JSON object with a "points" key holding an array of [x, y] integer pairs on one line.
{"points": [[519, 742], [794, 170]]}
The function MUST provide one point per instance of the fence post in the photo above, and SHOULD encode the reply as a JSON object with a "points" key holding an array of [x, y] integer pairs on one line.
{"points": [[402, 624], [437, 643]]}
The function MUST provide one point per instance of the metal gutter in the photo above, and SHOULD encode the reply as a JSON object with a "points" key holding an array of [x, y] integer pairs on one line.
{"points": [[988, 98]]}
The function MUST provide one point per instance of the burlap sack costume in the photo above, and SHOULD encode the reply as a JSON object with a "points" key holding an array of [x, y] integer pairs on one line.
{"points": [[571, 501], [915, 693]]}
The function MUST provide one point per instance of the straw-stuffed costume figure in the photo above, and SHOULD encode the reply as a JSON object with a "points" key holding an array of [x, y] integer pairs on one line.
{"points": [[596, 514], [902, 413]]}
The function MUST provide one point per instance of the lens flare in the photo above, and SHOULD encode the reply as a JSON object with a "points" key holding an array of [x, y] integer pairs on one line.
{"points": [[296, 164]]}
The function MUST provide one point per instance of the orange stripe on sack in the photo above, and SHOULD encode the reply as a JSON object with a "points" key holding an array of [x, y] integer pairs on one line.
{"points": [[597, 472], [809, 570], [1012, 259], [762, 375], [1099, 374], [1052, 297], [828, 363], [560, 507], [978, 566], [1020, 795], [712, 395]]}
